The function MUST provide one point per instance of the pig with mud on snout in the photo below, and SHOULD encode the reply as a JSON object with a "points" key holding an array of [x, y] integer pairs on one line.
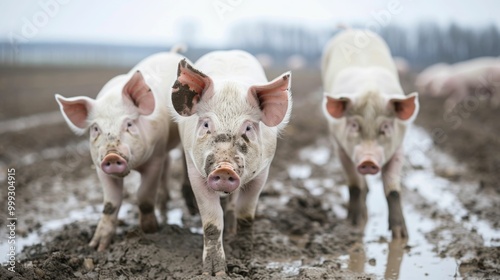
{"points": [[368, 114], [229, 117], [130, 129]]}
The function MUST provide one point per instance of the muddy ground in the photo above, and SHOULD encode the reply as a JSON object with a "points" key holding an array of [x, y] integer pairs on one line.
{"points": [[299, 232]]}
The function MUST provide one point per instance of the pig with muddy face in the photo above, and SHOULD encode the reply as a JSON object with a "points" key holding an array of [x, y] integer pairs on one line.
{"points": [[368, 114], [229, 117], [130, 129]]}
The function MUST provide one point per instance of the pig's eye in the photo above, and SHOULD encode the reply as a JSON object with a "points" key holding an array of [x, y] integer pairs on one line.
{"points": [[129, 124], [249, 127], [384, 129], [94, 131], [354, 126], [205, 124]]}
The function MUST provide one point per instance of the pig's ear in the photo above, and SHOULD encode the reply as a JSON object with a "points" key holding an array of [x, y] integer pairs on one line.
{"points": [[406, 108], [75, 111], [337, 106], [189, 88], [273, 99], [138, 92]]}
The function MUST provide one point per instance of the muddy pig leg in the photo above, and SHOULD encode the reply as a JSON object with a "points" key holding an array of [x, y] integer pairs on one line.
{"points": [[146, 195], [230, 225], [246, 205], [358, 189], [113, 195], [391, 177], [187, 190], [163, 194]]}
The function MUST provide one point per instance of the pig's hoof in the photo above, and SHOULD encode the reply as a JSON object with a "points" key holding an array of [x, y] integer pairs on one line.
{"points": [[220, 273], [149, 224], [103, 234], [399, 232], [99, 242]]}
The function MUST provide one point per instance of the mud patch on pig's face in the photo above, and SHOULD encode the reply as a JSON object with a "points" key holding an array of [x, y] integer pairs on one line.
{"points": [[242, 147], [209, 162], [223, 138]]}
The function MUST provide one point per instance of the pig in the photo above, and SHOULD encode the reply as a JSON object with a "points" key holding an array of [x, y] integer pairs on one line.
{"points": [[402, 65], [430, 80], [130, 129], [229, 117], [368, 115], [479, 74]]}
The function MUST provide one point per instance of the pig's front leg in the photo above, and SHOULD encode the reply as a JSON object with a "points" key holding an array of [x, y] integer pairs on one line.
{"points": [[151, 173], [212, 218], [187, 191], [163, 195], [246, 205], [357, 212], [391, 177], [113, 195]]}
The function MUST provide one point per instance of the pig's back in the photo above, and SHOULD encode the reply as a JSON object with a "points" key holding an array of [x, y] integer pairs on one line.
{"points": [[232, 65], [160, 73], [355, 48]]}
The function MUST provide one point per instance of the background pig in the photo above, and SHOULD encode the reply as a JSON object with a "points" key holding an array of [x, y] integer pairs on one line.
{"points": [[368, 114], [130, 129], [480, 74], [431, 79], [229, 117]]}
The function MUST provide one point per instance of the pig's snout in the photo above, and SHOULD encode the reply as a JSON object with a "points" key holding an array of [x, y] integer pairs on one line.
{"points": [[224, 179], [368, 166], [114, 164]]}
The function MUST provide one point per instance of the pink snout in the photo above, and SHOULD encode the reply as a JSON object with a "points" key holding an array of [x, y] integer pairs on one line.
{"points": [[114, 164], [224, 179], [368, 166]]}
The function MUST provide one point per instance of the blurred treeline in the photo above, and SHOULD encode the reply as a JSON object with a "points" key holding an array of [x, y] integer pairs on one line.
{"points": [[421, 45]]}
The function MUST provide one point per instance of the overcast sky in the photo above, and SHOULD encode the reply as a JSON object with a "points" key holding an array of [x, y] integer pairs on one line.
{"points": [[158, 21]]}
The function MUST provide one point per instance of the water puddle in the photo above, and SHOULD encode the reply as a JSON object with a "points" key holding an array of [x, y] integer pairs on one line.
{"points": [[378, 255], [417, 258], [414, 259]]}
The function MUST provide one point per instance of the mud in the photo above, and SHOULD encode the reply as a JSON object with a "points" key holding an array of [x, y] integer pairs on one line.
{"points": [[450, 198]]}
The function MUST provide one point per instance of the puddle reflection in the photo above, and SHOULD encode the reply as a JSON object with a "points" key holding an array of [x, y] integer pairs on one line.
{"points": [[394, 258], [395, 252]]}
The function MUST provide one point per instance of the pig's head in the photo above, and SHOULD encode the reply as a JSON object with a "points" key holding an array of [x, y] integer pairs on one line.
{"points": [[228, 125], [116, 123], [370, 127]]}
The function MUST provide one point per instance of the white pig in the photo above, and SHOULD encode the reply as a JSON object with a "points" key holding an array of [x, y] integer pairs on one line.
{"points": [[229, 117], [479, 75], [368, 114], [130, 129], [430, 81]]}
